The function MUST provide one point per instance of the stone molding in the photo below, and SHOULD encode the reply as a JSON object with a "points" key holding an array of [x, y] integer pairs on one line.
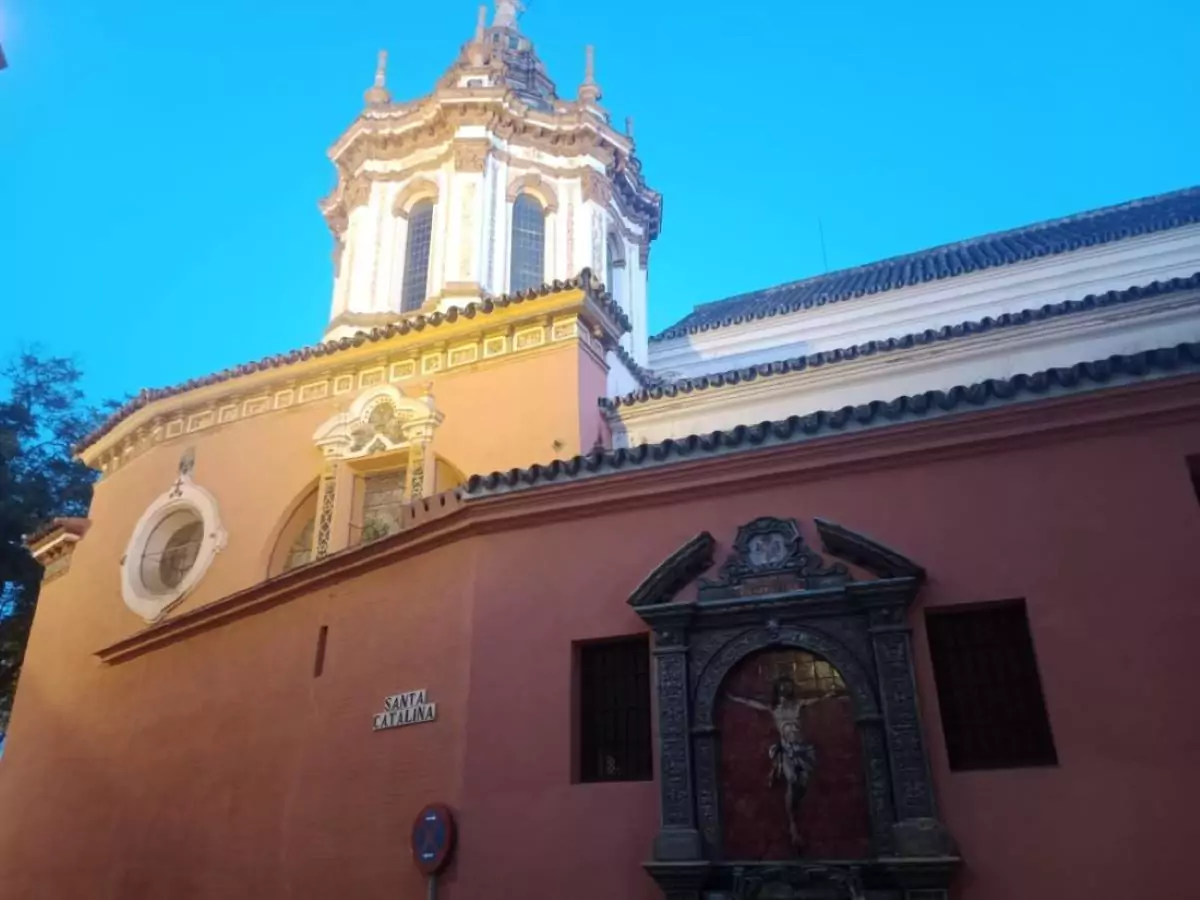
{"points": [[483, 332], [184, 495], [471, 154], [534, 184], [415, 191]]}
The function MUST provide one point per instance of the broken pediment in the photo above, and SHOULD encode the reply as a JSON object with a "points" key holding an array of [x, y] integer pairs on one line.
{"points": [[769, 556]]}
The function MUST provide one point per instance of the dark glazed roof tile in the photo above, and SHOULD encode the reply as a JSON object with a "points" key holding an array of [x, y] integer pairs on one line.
{"points": [[1089, 229], [904, 342], [794, 429], [416, 323]]}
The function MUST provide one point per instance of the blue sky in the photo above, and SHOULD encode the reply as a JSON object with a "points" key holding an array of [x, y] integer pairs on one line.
{"points": [[160, 163]]}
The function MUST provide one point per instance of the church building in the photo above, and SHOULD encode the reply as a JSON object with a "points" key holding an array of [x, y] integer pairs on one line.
{"points": [[869, 586]]}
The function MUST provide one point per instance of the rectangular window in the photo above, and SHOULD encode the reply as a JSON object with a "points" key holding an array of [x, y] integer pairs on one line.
{"points": [[614, 710], [382, 501], [1193, 463], [989, 691]]}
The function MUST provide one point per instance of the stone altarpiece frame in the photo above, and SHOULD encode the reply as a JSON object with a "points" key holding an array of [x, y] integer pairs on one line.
{"points": [[775, 593]]}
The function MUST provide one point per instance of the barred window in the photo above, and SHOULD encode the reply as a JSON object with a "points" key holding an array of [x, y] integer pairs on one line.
{"points": [[528, 243], [988, 687], [416, 256], [614, 710]]}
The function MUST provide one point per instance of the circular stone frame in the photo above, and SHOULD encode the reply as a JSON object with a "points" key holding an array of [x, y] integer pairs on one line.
{"points": [[184, 496]]}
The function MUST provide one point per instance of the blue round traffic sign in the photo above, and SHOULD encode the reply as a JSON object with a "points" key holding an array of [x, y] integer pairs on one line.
{"points": [[433, 838]]}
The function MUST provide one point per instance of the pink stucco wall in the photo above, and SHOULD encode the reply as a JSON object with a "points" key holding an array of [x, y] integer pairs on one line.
{"points": [[219, 767]]}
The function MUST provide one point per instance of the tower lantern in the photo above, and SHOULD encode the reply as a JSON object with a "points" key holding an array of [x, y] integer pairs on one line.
{"points": [[490, 184]]}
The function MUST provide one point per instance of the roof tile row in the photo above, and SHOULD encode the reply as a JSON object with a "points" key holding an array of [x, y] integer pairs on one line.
{"points": [[1084, 376], [1088, 229], [904, 342]]}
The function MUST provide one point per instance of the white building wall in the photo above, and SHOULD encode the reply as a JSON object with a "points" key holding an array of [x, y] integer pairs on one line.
{"points": [[1056, 343], [620, 379]]}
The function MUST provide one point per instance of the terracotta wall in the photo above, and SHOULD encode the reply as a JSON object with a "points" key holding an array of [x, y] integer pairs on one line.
{"points": [[496, 417], [1095, 534], [218, 767]]}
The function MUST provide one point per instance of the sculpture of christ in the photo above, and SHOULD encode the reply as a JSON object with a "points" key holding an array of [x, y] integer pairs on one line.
{"points": [[792, 758]]}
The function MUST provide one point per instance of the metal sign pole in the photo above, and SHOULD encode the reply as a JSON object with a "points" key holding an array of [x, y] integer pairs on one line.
{"points": [[432, 892]]}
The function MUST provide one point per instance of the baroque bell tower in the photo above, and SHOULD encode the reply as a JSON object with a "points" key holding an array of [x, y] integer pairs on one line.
{"points": [[488, 185]]}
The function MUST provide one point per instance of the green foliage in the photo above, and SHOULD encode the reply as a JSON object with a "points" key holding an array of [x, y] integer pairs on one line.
{"points": [[374, 529], [42, 415]]}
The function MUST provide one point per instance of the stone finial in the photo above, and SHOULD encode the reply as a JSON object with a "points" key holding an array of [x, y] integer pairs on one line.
{"points": [[477, 48], [589, 91], [507, 12], [629, 126], [378, 94]]}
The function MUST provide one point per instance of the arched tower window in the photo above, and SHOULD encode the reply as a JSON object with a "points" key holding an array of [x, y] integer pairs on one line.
{"points": [[416, 255], [528, 243], [615, 260]]}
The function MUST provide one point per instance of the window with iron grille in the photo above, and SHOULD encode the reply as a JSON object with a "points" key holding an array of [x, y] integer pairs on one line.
{"points": [[416, 256], [528, 243], [989, 692], [614, 710]]}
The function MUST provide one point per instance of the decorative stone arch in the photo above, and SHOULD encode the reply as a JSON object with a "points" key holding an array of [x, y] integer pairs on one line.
{"points": [[854, 673], [412, 193], [773, 591], [537, 187], [379, 420]]}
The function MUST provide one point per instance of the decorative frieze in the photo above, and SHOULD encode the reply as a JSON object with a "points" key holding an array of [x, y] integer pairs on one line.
{"points": [[287, 393], [464, 355], [195, 422], [318, 390], [371, 377], [527, 338], [327, 504], [402, 370]]}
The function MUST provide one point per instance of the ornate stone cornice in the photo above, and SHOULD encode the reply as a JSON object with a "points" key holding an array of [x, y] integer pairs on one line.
{"points": [[470, 154], [561, 311], [399, 133]]}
